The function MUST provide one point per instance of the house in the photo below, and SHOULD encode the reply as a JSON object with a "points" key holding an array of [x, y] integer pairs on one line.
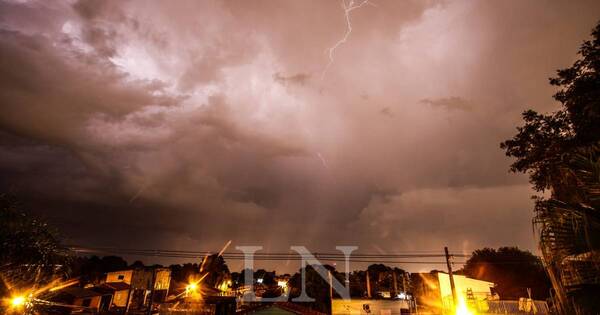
{"points": [[433, 292], [119, 292], [465, 287], [86, 298], [144, 284]]}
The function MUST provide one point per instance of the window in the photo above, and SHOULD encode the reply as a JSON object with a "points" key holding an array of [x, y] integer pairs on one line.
{"points": [[121, 277]]}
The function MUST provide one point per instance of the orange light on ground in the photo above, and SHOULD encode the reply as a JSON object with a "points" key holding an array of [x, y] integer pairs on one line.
{"points": [[462, 309], [463, 284]]}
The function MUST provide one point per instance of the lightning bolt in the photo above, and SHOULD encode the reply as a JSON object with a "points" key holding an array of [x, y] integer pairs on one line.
{"points": [[322, 160], [348, 7], [139, 192]]}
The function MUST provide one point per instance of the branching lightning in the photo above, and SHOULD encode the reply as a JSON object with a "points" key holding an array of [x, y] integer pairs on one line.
{"points": [[322, 160], [348, 7]]}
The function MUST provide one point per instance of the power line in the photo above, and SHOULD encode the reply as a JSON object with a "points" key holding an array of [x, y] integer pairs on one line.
{"points": [[359, 257], [256, 254], [405, 257]]}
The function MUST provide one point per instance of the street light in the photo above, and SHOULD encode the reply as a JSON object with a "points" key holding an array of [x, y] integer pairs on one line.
{"points": [[17, 302], [192, 287]]}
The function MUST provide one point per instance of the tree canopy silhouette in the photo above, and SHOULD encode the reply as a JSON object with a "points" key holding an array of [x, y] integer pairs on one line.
{"points": [[560, 151], [30, 251], [512, 269], [544, 138]]}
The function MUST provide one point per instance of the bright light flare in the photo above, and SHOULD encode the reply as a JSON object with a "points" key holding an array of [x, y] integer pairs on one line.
{"points": [[192, 287], [224, 248], [462, 309], [63, 285], [17, 301]]}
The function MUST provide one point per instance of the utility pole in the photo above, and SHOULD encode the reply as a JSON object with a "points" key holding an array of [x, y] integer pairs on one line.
{"points": [[368, 285], [330, 286], [452, 287], [395, 282], [330, 291]]}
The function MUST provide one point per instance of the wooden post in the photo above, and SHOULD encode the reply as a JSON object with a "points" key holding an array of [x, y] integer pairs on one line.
{"points": [[368, 285], [395, 282], [452, 287], [330, 288]]}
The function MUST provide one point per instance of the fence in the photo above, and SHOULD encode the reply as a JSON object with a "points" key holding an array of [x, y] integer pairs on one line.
{"points": [[518, 307]]}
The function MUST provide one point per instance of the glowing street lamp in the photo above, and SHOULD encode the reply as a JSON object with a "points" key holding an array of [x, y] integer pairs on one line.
{"points": [[192, 287], [17, 301]]}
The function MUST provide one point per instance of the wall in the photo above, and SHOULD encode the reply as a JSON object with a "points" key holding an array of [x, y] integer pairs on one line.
{"points": [[94, 301], [163, 279], [114, 276], [481, 289], [355, 306], [120, 298]]}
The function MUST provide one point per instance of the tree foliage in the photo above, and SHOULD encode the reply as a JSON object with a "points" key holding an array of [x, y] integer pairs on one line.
{"points": [[316, 287], [540, 143], [512, 269], [30, 251], [93, 269], [561, 152]]}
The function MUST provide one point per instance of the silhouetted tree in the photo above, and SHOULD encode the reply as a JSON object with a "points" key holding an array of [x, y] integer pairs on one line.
{"points": [[560, 151], [316, 288], [182, 274], [217, 270], [31, 254], [512, 269], [137, 264], [30, 251], [93, 269]]}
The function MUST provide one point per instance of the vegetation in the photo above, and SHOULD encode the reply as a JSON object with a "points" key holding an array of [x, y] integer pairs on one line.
{"points": [[316, 287], [506, 267], [560, 152], [30, 251]]}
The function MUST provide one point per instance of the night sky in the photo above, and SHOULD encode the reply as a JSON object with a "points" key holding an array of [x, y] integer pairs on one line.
{"points": [[185, 124]]}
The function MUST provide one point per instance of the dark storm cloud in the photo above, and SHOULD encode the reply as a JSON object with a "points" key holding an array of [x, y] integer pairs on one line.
{"points": [[185, 124], [56, 91]]}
